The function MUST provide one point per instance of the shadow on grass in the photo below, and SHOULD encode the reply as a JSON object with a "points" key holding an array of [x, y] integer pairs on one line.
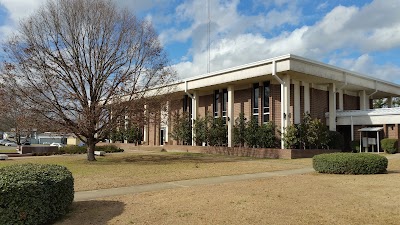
{"points": [[92, 212]]}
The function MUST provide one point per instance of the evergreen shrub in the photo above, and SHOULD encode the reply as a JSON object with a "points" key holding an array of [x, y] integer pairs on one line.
{"points": [[389, 145], [34, 194], [350, 163]]}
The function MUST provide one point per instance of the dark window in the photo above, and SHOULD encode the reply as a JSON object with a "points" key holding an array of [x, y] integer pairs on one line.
{"points": [[185, 103], [255, 96], [224, 104], [216, 103], [266, 94]]}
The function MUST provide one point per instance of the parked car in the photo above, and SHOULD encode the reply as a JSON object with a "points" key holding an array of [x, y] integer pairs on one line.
{"points": [[3, 141], [57, 144], [10, 143], [26, 143]]}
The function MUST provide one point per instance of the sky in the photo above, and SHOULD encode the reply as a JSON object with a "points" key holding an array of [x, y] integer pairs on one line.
{"points": [[358, 35]]}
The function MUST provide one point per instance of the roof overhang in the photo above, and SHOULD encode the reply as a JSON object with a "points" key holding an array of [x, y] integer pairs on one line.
{"points": [[298, 68], [371, 129]]}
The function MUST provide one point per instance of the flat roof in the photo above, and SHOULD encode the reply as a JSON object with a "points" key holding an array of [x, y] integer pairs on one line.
{"points": [[301, 68], [371, 129]]}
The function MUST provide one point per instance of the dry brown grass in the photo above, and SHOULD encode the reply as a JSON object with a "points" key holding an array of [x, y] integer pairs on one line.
{"points": [[127, 169], [297, 199]]}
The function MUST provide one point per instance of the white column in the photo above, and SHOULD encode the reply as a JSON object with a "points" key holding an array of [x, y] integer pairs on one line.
{"points": [[332, 107], [230, 114], [145, 128], [126, 127], [363, 98], [341, 106], [390, 102], [296, 95], [306, 97], [285, 105], [165, 120], [195, 106]]}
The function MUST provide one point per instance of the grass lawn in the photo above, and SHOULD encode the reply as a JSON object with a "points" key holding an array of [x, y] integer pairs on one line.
{"points": [[126, 169], [297, 199], [7, 149]]}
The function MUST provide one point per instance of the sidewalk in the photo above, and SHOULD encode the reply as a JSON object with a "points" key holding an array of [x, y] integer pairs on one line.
{"points": [[102, 193]]}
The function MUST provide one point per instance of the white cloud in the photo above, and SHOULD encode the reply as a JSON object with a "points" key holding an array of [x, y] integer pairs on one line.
{"points": [[17, 10], [366, 64], [374, 27]]}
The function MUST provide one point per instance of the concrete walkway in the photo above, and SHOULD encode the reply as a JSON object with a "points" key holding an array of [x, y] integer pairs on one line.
{"points": [[102, 193]]}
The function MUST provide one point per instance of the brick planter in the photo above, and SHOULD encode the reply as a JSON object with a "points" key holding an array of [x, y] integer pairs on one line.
{"points": [[270, 153]]}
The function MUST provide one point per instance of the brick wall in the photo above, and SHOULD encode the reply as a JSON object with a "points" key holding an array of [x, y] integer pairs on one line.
{"points": [[391, 131], [301, 103], [205, 105], [319, 104], [351, 102], [154, 130], [176, 106], [276, 104], [242, 103]]}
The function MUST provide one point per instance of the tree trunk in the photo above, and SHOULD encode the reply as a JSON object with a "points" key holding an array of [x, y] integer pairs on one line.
{"points": [[90, 150]]}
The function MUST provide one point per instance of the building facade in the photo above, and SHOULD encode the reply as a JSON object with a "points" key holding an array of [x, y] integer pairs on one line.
{"points": [[281, 90]]}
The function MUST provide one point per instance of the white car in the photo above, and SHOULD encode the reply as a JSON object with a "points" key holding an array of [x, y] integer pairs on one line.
{"points": [[12, 144], [57, 145]]}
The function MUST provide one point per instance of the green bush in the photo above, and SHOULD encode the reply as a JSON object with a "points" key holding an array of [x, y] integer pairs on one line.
{"points": [[355, 146], [336, 140], [74, 149], [350, 163], [109, 148], [34, 194], [389, 145]]}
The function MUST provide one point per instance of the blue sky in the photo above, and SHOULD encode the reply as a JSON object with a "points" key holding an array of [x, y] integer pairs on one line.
{"points": [[359, 35]]}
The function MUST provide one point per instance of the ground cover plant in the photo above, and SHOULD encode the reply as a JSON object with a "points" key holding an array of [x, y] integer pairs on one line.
{"points": [[350, 163], [34, 194]]}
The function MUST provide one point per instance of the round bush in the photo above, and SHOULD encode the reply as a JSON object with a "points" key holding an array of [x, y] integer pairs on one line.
{"points": [[34, 194], [389, 145], [350, 163]]}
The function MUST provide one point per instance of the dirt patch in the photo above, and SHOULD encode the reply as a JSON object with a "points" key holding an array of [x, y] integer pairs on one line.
{"points": [[297, 199], [93, 212]]}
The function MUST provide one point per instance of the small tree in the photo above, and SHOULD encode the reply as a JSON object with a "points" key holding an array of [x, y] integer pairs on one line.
{"points": [[318, 134], [291, 137], [266, 135], [218, 133], [133, 134], [251, 133], [239, 131], [182, 128], [202, 127]]}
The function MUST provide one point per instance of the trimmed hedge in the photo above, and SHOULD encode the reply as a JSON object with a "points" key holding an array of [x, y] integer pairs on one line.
{"points": [[109, 148], [74, 149], [389, 145], [350, 163], [33, 194]]}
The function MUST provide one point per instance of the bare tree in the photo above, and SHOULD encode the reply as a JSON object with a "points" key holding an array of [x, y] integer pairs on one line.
{"points": [[84, 59]]}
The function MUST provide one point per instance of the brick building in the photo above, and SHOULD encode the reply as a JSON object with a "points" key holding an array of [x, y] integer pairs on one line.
{"points": [[281, 90]]}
